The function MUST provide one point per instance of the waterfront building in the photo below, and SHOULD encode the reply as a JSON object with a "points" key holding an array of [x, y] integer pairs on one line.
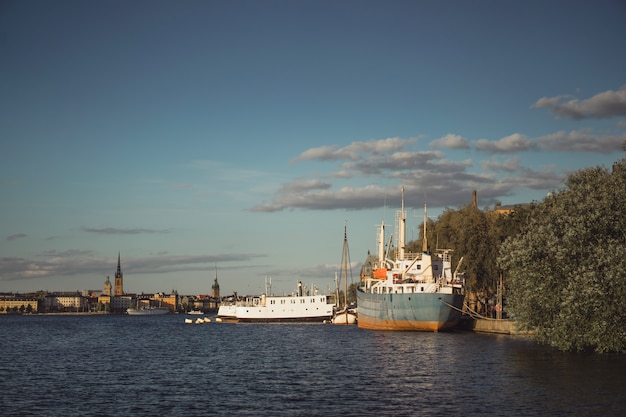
{"points": [[18, 304], [66, 301], [105, 301], [119, 304], [169, 301]]}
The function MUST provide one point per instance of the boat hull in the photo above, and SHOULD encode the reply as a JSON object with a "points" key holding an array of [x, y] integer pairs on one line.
{"points": [[345, 318], [429, 312]]}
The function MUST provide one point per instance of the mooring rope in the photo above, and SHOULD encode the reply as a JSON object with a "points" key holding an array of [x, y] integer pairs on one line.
{"points": [[473, 314]]}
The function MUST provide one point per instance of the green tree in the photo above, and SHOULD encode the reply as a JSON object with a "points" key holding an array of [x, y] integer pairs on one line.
{"points": [[567, 267], [467, 231]]}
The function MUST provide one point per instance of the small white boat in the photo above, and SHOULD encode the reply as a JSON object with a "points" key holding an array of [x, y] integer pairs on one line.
{"points": [[188, 321], [147, 311], [199, 312]]}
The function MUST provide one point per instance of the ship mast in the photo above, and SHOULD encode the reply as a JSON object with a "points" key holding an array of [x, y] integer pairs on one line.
{"points": [[402, 230], [425, 240], [381, 244]]}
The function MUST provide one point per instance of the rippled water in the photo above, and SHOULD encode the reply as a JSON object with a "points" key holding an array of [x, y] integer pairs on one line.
{"points": [[159, 366]]}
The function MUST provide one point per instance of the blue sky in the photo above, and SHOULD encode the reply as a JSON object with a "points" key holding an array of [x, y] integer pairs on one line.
{"points": [[243, 135]]}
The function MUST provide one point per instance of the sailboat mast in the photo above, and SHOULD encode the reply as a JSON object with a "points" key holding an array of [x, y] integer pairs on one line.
{"points": [[345, 271], [345, 265]]}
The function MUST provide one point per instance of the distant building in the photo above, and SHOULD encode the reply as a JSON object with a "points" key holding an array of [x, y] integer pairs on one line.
{"points": [[16, 303], [215, 289], [107, 287], [507, 209], [169, 301], [120, 304], [66, 301]]}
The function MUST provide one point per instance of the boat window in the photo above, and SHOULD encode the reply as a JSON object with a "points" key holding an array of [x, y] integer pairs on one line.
{"points": [[312, 300], [422, 288], [418, 266], [282, 301]]}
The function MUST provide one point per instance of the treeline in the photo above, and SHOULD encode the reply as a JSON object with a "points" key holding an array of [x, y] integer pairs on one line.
{"points": [[476, 235], [563, 260]]}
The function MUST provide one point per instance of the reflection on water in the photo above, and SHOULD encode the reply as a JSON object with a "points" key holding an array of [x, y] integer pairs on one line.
{"points": [[121, 365]]}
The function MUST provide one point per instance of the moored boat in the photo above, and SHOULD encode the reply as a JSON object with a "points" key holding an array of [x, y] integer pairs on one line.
{"points": [[411, 291], [346, 315], [147, 311], [303, 306]]}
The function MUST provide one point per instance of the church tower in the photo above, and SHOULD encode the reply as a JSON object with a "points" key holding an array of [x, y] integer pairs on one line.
{"points": [[215, 289], [119, 279], [107, 287]]}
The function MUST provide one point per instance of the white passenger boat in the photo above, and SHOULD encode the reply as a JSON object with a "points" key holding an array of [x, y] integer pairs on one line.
{"points": [[303, 306]]}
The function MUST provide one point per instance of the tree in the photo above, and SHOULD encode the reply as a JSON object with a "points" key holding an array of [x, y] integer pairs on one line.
{"points": [[467, 231], [567, 267]]}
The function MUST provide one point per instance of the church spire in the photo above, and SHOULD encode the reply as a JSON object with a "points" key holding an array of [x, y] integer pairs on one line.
{"points": [[215, 289], [119, 279], [118, 273]]}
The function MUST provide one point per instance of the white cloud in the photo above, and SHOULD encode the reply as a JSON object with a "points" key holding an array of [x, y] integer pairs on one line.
{"points": [[450, 141], [354, 151], [601, 106], [582, 140], [512, 143]]}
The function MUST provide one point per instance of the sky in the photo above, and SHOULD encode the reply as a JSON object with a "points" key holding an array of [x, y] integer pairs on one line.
{"points": [[240, 138]]}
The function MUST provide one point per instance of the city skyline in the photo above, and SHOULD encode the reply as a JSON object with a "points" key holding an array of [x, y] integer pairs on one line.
{"points": [[240, 137]]}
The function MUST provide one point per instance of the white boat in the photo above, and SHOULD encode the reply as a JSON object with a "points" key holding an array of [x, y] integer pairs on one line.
{"points": [[195, 312], [147, 311], [347, 315], [303, 306], [188, 321]]}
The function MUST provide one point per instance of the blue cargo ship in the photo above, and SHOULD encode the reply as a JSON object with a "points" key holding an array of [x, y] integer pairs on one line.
{"points": [[409, 291]]}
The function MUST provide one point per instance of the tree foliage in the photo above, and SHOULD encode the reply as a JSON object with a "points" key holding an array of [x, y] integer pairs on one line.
{"points": [[566, 268]]}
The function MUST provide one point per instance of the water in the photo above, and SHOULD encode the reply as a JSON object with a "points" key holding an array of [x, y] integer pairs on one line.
{"points": [[159, 366]]}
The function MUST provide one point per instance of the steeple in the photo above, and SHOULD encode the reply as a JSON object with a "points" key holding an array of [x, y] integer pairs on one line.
{"points": [[215, 289], [118, 273], [119, 279]]}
